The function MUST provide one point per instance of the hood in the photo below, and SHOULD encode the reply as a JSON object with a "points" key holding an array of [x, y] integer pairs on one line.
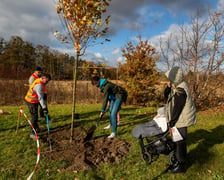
{"points": [[102, 82], [175, 75]]}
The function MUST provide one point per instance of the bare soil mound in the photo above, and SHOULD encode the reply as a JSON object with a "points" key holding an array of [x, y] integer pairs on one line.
{"points": [[81, 154]]}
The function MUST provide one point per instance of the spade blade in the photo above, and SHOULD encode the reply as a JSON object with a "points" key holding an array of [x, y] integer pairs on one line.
{"points": [[90, 133]]}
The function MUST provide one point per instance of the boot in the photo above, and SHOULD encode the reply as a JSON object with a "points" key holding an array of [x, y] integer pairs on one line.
{"points": [[177, 168], [171, 166]]}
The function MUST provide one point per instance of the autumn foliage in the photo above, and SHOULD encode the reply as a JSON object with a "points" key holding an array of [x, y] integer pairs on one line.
{"points": [[139, 71], [83, 20]]}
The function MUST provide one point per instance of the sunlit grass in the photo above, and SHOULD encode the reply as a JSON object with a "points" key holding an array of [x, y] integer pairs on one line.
{"points": [[18, 152]]}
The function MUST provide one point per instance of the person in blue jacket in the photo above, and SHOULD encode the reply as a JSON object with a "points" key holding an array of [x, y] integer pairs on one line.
{"points": [[112, 98], [119, 94]]}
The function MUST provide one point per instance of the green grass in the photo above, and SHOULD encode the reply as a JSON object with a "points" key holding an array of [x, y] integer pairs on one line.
{"points": [[18, 153]]}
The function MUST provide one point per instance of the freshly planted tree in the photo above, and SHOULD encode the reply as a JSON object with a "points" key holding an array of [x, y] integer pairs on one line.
{"points": [[139, 71], [84, 23]]}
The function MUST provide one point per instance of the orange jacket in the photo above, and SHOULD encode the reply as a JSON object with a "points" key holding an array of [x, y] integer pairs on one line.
{"points": [[31, 95]]}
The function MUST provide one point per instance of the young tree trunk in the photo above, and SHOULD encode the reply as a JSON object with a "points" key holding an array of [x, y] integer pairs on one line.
{"points": [[74, 94]]}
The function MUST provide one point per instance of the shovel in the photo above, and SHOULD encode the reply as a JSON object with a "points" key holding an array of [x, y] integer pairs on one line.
{"points": [[48, 131], [91, 131]]}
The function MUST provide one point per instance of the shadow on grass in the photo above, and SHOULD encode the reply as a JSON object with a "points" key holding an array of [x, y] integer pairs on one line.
{"points": [[201, 154], [128, 119], [87, 117], [13, 128]]}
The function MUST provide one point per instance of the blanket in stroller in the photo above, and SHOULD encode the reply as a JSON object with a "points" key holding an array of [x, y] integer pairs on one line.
{"points": [[152, 128]]}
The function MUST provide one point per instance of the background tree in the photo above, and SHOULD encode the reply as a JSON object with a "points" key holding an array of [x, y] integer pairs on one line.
{"points": [[20, 58], [198, 49], [16, 55], [139, 71], [84, 24]]}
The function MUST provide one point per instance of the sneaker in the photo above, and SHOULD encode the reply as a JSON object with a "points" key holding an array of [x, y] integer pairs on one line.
{"points": [[107, 127], [112, 135]]}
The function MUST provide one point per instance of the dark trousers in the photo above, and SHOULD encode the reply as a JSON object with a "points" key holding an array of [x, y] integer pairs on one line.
{"points": [[33, 108], [181, 146], [41, 111]]}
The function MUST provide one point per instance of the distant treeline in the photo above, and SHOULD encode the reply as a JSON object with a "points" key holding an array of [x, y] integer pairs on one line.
{"points": [[18, 59]]}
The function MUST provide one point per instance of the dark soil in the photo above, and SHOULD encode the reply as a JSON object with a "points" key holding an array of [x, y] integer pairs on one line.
{"points": [[82, 154]]}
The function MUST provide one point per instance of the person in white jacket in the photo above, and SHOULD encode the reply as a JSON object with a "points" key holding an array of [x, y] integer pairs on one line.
{"points": [[34, 97], [180, 113]]}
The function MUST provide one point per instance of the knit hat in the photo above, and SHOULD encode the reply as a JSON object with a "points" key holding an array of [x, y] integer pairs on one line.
{"points": [[38, 68]]}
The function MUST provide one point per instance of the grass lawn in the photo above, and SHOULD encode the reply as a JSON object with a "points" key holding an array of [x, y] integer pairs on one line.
{"points": [[18, 152]]}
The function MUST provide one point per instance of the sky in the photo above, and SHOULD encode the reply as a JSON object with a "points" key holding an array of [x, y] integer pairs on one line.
{"points": [[36, 21]]}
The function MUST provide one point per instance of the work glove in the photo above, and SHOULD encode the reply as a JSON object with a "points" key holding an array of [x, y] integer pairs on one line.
{"points": [[45, 111]]}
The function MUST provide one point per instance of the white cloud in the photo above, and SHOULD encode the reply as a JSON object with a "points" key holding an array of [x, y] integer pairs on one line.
{"points": [[116, 51], [155, 41], [135, 14], [36, 20], [95, 57], [98, 55], [156, 14], [71, 52], [173, 32], [31, 20], [220, 6], [120, 59]]}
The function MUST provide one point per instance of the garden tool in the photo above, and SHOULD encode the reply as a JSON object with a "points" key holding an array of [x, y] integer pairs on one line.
{"points": [[91, 130], [48, 131]]}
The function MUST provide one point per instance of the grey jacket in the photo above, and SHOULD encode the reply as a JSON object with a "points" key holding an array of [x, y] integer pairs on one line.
{"points": [[188, 114], [39, 90]]}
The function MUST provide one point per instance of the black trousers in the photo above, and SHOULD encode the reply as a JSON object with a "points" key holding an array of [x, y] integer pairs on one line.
{"points": [[181, 146], [33, 108], [41, 111]]}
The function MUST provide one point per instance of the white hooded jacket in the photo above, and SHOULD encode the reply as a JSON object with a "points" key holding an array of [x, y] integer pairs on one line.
{"points": [[188, 114]]}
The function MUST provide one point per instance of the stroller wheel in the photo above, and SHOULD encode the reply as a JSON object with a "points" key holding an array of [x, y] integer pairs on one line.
{"points": [[147, 157], [172, 157]]}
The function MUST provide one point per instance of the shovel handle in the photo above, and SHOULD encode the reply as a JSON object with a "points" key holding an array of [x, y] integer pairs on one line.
{"points": [[48, 131], [98, 120], [47, 119]]}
